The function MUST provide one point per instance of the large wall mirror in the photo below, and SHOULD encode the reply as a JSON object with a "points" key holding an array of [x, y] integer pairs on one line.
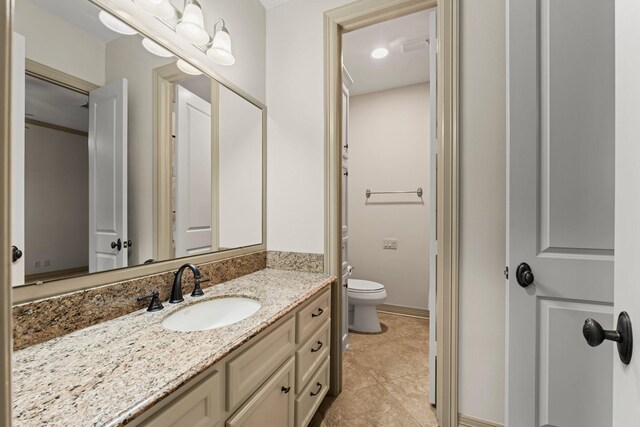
{"points": [[123, 154]]}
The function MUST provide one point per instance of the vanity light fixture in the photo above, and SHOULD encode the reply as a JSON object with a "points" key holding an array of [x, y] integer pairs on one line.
{"points": [[220, 50], [191, 26], [159, 8], [379, 53], [155, 48], [187, 68], [114, 24]]}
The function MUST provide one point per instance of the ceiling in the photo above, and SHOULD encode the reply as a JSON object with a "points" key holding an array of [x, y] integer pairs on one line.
{"points": [[397, 69], [50, 103]]}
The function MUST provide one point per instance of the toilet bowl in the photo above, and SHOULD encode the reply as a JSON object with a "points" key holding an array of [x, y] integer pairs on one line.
{"points": [[364, 296]]}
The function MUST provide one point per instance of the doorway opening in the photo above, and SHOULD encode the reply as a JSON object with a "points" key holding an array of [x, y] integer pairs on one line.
{"points": [[55, 174], [388, 217], [347, 19]]}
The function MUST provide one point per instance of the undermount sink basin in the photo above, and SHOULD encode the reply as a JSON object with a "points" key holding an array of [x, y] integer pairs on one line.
{"points": [[211, 314]]}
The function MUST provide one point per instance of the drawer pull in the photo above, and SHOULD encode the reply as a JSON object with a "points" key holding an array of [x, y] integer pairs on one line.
{"points": [[313, 350], [318, 312], [285, 390], [315, 393]]}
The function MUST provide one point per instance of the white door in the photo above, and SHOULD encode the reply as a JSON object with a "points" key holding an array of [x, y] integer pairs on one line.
{"points": [[347, 82], [194, 227], [626, 378], [561, 211], [108, 176], [433, 173], [17, 156]]}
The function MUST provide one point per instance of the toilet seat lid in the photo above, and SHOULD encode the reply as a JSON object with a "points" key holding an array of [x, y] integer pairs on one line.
{"points": [[358, 285]]}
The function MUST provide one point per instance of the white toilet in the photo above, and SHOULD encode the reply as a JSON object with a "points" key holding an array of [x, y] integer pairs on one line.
{"points": [[364, 297]]}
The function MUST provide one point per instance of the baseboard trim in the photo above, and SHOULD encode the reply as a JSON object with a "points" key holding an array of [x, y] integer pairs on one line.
{"points": [[465, 421], [404, 311]]}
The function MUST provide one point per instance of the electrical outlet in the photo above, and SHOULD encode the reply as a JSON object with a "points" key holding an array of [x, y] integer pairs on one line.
{"points": [[390, 244], [47, 263], [36, 264]]}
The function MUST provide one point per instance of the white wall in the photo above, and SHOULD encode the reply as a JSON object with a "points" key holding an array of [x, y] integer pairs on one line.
{"points": [[482, 209], [295, 97], [295, 173], [56, 200], [389, 150], [54, 42], [240, 171]]}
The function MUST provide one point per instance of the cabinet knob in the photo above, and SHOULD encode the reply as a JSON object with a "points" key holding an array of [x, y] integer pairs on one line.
{"points": [[285, 390], [318, 312]]}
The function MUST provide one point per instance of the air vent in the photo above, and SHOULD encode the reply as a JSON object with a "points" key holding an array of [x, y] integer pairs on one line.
{"points": [[413, 45]]}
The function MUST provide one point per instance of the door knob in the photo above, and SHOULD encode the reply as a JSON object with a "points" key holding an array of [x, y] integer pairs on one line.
{"points": [[117, 244], [16, 253], [524, 275], [623, 335]]}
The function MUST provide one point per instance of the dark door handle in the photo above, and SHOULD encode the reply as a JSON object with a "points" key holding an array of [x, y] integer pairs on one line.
{"points": [[524, 275], [318, 388], [623, 335], [16, 253], [117, 244]]}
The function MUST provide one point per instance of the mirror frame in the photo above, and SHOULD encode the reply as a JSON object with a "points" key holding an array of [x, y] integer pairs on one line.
{"points": [[156, 30]]}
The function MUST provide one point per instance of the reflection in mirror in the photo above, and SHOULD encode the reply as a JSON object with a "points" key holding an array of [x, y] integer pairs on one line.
{"points": [[84, 130]]}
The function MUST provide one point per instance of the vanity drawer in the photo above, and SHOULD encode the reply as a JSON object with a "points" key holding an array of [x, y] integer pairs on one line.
{"points": [[311, 354], [271, 405], [313, 315], [247, 372], [310, 398], [199, 407]]}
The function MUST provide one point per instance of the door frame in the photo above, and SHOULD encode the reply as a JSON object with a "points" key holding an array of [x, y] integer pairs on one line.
{"points": [[349, 18], [6, 323]]}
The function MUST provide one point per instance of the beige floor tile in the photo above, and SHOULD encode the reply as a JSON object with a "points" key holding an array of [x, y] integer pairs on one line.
{"points": [[413, 395], [371, 407], [354, 375], [375, 370]]}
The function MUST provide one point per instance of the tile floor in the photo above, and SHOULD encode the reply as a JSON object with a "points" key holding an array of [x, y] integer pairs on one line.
{"points": [[385, 379]]}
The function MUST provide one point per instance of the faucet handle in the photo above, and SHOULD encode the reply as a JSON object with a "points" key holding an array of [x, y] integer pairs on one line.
{"points": [[197, 290], [155, 304]]}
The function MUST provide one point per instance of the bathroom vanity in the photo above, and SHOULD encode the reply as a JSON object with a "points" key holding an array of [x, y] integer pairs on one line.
{"points": [[270, 369]]}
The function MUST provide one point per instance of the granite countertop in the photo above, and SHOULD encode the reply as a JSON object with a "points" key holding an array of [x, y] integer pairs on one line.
{"points": [[112, 372]]}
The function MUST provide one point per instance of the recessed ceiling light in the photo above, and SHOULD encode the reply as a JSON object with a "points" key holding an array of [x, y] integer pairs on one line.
{"points": [[379, 53], [114, 24]]}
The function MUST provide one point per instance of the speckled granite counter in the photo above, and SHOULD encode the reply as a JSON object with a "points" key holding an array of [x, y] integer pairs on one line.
{"points": [[112, 372]]}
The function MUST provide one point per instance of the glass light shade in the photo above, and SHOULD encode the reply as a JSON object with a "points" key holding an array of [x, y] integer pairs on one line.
{"points": [[114, 24], [187, 68], [155, 48], [159, 8], [191, 26], [220, 50]]}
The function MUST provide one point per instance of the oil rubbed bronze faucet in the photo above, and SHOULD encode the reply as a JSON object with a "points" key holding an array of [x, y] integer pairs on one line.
{"points": [[176, 290]]}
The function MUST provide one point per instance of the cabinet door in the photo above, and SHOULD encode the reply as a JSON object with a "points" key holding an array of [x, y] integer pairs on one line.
{"points": [[199, 407], [272, 404]]}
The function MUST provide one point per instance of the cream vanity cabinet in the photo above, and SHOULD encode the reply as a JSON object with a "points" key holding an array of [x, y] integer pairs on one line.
{"points": [[278, 378]]}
